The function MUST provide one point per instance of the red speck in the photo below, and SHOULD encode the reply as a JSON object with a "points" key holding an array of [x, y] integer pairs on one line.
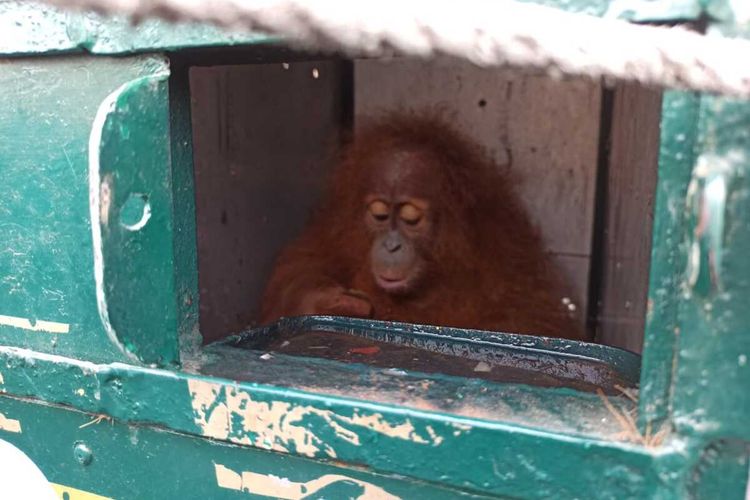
{"points": [[367, 351]]}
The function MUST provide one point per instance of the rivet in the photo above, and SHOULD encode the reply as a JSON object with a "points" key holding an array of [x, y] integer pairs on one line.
{"points": [[83, 453]]}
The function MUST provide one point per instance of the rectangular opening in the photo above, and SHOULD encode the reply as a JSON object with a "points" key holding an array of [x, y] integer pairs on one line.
{"points": [[583, 161]]}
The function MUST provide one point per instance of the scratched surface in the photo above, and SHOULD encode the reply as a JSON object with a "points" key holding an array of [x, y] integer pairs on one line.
{"points": [[48, 298]]}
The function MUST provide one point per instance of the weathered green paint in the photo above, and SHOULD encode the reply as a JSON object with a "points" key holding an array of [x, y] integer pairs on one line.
{"points": [[512, 460], [185, 263], [697, 376], [139, 461], [129, 149], [695, 373], [722, 471], [680, 111], [711, 395], [87, 138], [46, 262]]}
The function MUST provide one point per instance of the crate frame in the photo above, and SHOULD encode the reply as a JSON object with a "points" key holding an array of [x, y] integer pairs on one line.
{"points": [[54, 384]]}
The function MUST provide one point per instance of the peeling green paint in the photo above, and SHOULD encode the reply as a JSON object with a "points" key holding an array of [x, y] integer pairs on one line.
{"points": [[141, 461], [506, 459]]}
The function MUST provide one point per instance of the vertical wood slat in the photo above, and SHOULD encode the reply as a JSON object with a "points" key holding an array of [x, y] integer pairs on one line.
{"points": [[626, 249]]}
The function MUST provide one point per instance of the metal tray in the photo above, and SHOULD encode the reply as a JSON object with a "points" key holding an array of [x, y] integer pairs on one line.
{"points": [[517, 358]]}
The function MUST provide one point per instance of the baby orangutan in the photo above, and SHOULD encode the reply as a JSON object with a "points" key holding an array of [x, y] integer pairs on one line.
{"points": [[418, 226]]}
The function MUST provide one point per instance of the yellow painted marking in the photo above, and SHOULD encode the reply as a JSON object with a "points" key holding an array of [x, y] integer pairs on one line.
{"points": [[276, 487], [9, 424], [228, 413], [38, 326], [75, 494]]}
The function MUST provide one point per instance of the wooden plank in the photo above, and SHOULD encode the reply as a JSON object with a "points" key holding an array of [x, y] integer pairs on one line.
{"points": [[629, 216], [263, 134]]}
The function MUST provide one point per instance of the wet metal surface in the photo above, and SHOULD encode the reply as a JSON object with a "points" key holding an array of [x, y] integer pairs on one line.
{"points": [[495, 357]]}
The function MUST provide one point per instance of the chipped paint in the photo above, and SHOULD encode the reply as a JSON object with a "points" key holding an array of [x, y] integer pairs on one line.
{"points": [[460, 428], [2, 380], [106, 194], [228, 413], [34, 325], [80, 391], [434, 436], [277, 487], [9, 424], [75, 494], [377, 423]]}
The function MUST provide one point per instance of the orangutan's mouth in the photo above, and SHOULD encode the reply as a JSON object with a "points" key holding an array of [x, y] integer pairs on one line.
{"points": [[391, 284]]}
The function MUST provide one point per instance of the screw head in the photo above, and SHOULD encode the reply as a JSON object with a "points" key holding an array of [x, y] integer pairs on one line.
{"points": [[83, 453]]}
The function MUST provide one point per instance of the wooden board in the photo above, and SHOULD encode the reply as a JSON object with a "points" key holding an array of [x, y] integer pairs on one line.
{"points": [[262, 137], [628, 217]]}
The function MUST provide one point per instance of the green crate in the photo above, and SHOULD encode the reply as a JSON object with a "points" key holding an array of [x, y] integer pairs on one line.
{"points": [[104, 385]]}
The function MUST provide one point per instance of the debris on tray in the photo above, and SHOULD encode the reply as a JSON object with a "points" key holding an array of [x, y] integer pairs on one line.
{"points": [[482, 367], [367, 351]]}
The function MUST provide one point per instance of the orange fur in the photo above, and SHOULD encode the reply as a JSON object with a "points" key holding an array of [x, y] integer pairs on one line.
{"points": [[487, 267]]}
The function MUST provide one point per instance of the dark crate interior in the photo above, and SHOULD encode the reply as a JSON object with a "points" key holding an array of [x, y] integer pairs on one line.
{"points": [[584, 157]]}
